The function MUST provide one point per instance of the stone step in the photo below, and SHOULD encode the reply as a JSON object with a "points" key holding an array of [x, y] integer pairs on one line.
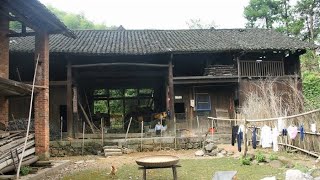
{"points": [[112, 150], [111, 147], [113, 153]]}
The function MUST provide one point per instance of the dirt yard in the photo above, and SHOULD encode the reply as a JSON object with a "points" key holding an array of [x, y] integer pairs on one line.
{"points": [[101, 164]]}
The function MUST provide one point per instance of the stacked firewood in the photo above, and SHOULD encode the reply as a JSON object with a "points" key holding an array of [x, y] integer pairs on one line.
{"points": [[11, 145], [220, 70]]}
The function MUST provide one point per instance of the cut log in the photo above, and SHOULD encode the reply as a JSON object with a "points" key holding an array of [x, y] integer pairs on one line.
{"points": [[14, 144], [10, 161], [4, 134], [27, 161], [7, 177], [7, 155]]}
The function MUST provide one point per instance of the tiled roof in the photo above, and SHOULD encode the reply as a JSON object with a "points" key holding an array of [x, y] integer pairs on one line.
{"points": [[140, 42], [35, 15]]}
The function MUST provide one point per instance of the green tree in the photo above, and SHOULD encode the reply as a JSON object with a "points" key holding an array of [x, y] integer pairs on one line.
{"points": [[262, 13], [71, 20], [308, 11]]}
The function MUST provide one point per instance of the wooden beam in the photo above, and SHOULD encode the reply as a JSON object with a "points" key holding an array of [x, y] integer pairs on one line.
{"points": [[122, 74], [120, 64], [21, 34], [69, 100], [171, 88]]}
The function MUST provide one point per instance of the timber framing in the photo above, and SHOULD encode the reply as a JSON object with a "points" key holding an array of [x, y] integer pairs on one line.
{"points": [[13, 88], [121, 64]]}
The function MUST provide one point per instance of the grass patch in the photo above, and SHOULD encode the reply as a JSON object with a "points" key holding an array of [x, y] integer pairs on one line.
{"points": [[192, 169]]}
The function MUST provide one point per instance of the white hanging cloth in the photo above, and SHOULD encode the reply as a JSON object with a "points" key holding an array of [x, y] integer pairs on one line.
{"points": [[275, 134], [266, 137], [313, 127]]}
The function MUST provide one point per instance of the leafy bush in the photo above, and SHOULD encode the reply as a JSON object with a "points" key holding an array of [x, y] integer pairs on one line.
{"points": [[260, 157], [25, 170], [311, 89], [273, 157], [245, 161]]}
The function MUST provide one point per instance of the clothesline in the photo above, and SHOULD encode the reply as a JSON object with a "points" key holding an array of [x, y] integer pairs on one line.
{"points": [[266, 119]]}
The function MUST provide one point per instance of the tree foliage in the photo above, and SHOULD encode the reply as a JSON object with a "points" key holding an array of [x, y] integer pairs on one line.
{"points": [[296, 18], [71, 20]]}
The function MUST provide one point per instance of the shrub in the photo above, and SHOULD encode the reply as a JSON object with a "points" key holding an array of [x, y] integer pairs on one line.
{"points": [[260, 157], [273, 157], [25, 170], [245, 161]]}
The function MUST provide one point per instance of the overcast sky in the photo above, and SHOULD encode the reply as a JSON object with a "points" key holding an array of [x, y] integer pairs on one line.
{"points": [[157, 14]]}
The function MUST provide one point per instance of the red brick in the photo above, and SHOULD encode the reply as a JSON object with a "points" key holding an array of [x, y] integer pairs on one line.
{"points": [[4, 66], [41, 103]]}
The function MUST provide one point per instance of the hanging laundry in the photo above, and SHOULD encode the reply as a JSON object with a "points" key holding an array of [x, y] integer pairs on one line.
{"points": [[254, 138], [234, 134], [313, 127], [275, 134], [281, 124], [301, 133], [292, 131], [284, 132], [241, 128], [239, 139], [266, 138]]}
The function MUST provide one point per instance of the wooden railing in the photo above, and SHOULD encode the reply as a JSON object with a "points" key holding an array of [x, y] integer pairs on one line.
{"points": [[262, 68]]}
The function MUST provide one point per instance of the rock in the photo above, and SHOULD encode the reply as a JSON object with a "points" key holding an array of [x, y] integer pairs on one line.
{"points": [[189, 146], [255, 162], [209, 147], [276, 164], [224, 152], [199, 153], [230, 153], [220, 155], [315, 173], [317, 178], [261, 163], [212, 153], [269, 178], [294, 174]]}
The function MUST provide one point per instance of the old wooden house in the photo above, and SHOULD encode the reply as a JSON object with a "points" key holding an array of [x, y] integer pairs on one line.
{"points": [[36, 21], [116, 74]]}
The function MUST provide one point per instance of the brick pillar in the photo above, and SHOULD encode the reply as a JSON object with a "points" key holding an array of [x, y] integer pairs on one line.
{"points": [[4, 66], [41, 100]]}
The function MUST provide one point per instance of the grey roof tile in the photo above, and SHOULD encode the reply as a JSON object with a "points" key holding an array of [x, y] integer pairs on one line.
{"points": [[140, 42]]}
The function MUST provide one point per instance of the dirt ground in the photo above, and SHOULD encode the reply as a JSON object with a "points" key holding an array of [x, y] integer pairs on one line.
{"points": [[80, 163]]}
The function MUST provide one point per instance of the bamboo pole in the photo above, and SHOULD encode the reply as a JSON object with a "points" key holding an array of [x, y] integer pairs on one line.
{"points": [[29, 119], [128, 128], [303, 150]]}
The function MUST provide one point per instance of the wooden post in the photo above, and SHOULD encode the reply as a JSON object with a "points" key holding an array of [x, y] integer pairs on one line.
{"points": [[211, 129], [102, 132], [61, 126], [171, 89], [69, 100], [141, 135], [83, 130], [245, 138]]}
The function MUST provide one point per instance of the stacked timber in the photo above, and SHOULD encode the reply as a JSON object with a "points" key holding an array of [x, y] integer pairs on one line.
{"points": [[220, 70], [11, 145], [112, 151]]}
